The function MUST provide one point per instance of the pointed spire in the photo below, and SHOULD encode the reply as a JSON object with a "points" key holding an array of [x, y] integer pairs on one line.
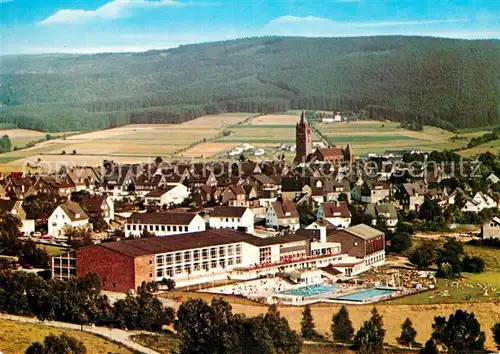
{"points": [[303, 118]]}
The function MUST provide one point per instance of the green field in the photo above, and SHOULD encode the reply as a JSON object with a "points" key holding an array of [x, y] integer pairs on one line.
{"points": [[53, 250], [472, 285], [16, 337]]}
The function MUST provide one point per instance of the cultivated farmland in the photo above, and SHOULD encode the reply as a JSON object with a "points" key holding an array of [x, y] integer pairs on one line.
{"points": [[212, 135]]}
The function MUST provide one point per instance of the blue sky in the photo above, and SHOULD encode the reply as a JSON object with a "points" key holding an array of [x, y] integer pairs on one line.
{"points": [[89, 26]]}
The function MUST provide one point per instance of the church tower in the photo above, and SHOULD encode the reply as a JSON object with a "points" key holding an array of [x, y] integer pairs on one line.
{"points": [[303, 140]]}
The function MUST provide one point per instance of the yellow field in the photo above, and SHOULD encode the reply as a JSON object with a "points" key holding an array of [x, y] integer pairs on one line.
{"points": [[492, 146], [21, 137], [276, 119], [422, 317], [377, 136], [209, 149], [16, 337], [194, 139]]}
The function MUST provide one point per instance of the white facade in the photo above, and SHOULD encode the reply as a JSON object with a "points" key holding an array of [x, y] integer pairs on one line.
{"points": [[480, 202], [58, 220], [336, 220], [231, 222], [173, 196], [272, 220], [160, 229]]}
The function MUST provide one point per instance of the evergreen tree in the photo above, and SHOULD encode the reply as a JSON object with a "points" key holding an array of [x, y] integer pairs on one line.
{"points": [[370, 337], [342, 330], [307, 323], [429, 348], [460, 334], [408, 333]]}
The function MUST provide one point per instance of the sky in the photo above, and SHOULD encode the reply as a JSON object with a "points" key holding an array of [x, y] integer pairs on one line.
{"points": [[92, 26]]}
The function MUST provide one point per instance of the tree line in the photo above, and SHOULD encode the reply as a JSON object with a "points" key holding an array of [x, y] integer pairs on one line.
{"points": [[447, 83]]}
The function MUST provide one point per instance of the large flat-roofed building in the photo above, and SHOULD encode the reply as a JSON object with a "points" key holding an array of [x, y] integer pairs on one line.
{"points": [[363, 242], [163, 223], [195, 258]]}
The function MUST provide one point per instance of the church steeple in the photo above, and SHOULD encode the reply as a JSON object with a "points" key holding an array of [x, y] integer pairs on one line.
{"points": [[303, 139], [303, 118]]}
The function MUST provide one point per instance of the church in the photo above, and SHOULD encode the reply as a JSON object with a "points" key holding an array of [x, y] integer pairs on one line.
{"points": [[304, 147]]}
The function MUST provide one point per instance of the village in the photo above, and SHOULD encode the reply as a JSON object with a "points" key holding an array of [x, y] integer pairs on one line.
{"points": [[311, 229]]}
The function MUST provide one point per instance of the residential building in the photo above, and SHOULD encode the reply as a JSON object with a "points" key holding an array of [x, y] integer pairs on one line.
{"points": [[234, 195], [336, 213], [99, 204], [491, 229], [373, 191], [282, 215], [168, 195], [15, 208], [66, 215], [163, 223], [411, 195], [385, 212], [232, 217]]}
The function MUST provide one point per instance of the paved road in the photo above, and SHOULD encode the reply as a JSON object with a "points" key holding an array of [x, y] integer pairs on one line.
{"points": [[117, 335]]}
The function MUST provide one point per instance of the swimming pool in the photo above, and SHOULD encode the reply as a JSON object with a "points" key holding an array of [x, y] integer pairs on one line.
{"points": [[363, 295], [311, 290]]}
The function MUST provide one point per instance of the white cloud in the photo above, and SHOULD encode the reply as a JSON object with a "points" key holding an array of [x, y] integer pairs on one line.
{"points": [[111, 10], [311, 20]]}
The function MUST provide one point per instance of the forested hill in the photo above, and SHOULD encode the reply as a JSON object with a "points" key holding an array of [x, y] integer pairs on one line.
{"points": [[445, 82]]}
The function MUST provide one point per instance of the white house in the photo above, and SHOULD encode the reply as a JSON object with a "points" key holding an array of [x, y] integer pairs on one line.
{"points": [[15, 208], [66, 215], [232, 217], [480, 202], [336, 213], [169, 195], [493, 179], [163, 223], [282, 215]]}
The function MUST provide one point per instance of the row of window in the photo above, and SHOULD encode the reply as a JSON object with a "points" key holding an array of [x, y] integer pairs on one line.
{"points": [[173, 228], [232, 219], [374, 259], [196, 255], [196, 267], [64, 262]]}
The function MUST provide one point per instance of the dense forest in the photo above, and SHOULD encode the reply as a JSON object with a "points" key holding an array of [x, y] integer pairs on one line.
{"points": [[444, 82]]}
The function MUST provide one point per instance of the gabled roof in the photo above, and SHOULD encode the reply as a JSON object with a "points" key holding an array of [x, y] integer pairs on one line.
{"points": [[330, 151], [6, 205], [228, 211], [156, 193], [285, 209], [412, 189], [93, 204], [74, 211], [161, 218], [387, 208], [364, 231], [263, 179], [332, 210]]}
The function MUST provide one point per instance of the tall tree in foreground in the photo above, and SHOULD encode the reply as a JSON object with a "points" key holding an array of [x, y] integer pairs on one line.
{"points": [[408, 333], [460, 334], [496, 334], [285, 340], [62, 344], [307, 323], [342, 330], [429, 348], [370, 337]]}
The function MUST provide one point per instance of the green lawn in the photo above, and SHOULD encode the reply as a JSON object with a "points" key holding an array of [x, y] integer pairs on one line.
{"points": [[472, 285], [53, 250]]}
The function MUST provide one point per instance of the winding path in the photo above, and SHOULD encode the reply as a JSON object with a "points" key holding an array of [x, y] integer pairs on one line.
{"points": [[117, 335]]}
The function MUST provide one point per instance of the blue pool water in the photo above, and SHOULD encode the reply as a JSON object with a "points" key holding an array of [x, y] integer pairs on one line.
{"points": [[369, 294], [311, 290]]}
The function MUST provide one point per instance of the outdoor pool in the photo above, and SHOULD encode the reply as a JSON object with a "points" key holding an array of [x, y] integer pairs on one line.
{"points": [[311, 290], [363, 295]]}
